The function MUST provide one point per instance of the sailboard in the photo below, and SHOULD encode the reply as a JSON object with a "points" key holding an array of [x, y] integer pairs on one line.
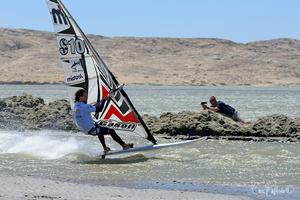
{"points": [[85, 69], [150, 147]]}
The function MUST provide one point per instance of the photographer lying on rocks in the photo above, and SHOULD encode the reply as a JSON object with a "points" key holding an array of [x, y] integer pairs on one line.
{"points": [[221, 107]]}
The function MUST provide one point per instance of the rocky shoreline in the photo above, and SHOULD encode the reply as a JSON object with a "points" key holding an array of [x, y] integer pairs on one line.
{"points": [[32, 113]]}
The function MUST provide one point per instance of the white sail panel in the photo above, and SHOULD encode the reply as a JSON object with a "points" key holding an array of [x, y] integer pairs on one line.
{"points": [[60, 21], [74, 72]]}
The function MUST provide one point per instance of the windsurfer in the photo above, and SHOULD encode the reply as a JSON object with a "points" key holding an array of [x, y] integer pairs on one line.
{"points": [[83, 119], [221, 107]]}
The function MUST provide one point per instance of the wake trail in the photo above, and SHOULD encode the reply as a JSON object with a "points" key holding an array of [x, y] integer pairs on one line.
{"points": [[45, 144]]}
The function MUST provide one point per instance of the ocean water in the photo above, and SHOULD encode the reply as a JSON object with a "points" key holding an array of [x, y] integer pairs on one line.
{"points": [[251, 102], [266, 170], [255, 169]]}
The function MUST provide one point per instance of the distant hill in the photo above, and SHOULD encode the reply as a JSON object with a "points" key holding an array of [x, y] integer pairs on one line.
{"points": [[31, 56]]}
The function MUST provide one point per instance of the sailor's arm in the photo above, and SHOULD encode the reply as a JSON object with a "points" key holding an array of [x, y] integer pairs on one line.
{"points": [[99, 106]]}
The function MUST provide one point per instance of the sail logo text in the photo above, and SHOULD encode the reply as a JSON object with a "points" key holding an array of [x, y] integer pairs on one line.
{"points": [[72, 46], [59, 17], [117, 125], [74, 78], [76, 67]]}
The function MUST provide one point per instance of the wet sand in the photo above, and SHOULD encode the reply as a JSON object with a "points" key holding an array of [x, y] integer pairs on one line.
{"points": [[16, 187]]}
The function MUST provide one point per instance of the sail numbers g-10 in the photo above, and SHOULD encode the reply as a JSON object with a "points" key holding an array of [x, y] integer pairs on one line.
{"points": [[72, 45]]}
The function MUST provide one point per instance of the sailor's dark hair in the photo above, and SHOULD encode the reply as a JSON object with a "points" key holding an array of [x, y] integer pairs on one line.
{"points": [[79, 94]]}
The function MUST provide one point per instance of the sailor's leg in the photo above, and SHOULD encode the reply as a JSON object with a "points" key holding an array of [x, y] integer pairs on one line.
{"points": [[119, 140], [115, 137], [102, 140]]}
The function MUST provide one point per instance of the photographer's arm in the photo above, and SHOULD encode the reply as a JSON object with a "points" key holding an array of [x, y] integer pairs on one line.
{"points": [[204, 106], [214, 109]]}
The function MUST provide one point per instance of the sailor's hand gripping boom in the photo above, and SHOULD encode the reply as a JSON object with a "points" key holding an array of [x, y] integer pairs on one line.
{"points": [[113, 91]]}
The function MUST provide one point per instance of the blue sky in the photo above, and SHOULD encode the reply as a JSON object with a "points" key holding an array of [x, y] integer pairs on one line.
{"points": [[237, 20]]}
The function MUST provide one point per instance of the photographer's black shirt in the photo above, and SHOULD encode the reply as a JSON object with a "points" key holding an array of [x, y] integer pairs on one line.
{"points": [[225, 109]]}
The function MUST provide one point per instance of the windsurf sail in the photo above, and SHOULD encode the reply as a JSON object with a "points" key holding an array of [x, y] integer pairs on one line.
{"points": [[84, 68]]}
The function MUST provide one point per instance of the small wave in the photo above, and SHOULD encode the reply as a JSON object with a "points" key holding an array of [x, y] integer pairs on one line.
{"points": [[44, 145]]}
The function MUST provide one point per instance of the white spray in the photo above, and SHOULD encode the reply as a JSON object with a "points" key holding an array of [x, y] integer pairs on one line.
{"points": [[47, 144]]}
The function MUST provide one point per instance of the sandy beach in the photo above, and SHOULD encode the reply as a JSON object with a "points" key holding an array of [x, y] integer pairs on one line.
{"points": [[36, 188]]}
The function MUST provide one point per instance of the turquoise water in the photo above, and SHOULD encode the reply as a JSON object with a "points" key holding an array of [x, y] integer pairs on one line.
{"points": [[251, 102]]}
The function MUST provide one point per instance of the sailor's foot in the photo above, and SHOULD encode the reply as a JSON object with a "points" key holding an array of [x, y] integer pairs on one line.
{"points": [[106, 150], [127, 146]]}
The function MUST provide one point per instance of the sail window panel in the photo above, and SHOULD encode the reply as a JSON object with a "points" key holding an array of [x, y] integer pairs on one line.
{"points": [[93, 91], [91, 68], [139, 130], [71, 92]]}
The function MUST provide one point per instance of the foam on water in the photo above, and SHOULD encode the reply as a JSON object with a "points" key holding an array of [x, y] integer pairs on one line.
{"points": [[44, 144]]}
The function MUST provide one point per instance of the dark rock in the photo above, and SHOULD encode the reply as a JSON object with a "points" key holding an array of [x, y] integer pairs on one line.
{"points": [[216, 126], [28, 112]]}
